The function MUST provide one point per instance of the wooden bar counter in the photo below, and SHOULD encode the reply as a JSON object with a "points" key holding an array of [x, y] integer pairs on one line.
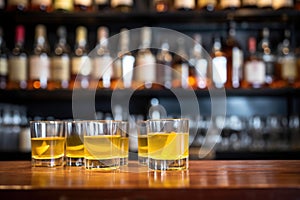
{"points": [[276, 179]]}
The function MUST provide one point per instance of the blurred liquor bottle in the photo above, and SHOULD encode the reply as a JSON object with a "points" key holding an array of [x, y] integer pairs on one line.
{"points": [[102, 5], [254, 67], [249, 3], [102, 61], [267, 55], [235, 58], [219, 64], [122, 5], [286, 63], [162, 5], [145, 63], [282, 4], [164, 65], [39, 60], [17, 5], [264, 4], [124, 65], [180, 66], [209, 5], [63, 5], [184, 5], [229, 4], [18, 62], [60, 62], [3, 61], [41, 5], [83, 5], [80, 61], [199, 61]]}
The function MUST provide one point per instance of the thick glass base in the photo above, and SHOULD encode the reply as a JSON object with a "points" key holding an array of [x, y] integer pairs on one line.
{"points": [[74, 162], [143, 160], [105, 164], [181, 164], [52, 162], [123, 161]]}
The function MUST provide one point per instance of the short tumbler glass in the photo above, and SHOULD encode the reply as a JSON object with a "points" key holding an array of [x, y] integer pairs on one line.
{"points": [[47, 143], [74, 143], [102, 145], [168, 144]]}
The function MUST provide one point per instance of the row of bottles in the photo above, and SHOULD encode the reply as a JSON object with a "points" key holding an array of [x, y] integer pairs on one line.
{"points": [[227, 65], [157, 5]]}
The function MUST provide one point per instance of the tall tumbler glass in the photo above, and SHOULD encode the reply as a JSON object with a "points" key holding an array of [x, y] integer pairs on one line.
{"points": [[168, 144], [47, 143], [102, 145]]}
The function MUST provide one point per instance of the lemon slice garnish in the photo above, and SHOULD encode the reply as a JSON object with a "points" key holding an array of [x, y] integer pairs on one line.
{"points": [[42, 149], [75, 148]]}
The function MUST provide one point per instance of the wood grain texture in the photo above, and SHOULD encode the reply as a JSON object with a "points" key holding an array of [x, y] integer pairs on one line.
{"points": [[204, 180]]}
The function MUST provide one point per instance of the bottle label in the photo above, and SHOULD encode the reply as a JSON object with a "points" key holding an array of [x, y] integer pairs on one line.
{"points": [[145, 68], [289, 68], [204, 3], [237, 62], [81, 65], [60, 68], [249, 2], [17, 69], [102, 68], [264, 3], [39, 67], [63, 4], [219, 70], [255, 72], [230, 3], [117, 69], [17, 2], [189, 4], [277, 4], [41, 2], [83, 2], [115, 3], [3, 66]]}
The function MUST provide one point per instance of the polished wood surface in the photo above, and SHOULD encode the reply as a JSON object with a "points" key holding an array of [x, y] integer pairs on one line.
{"points": [[204, 180]]}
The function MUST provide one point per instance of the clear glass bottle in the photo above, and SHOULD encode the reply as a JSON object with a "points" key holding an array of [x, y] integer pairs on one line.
{"points": [[186, 5], [39, 60], [60, 62], [80, 63], [266, 54], [209, 5], [235, 58], [122, 5], [229, 4], [41, 5], [3, 61], [219, 64], [63, 5], [102, 62], [83, 5], [286, 64], [102, 5], [254, 68], [124, 65], [17, 5], [161, 5], [180, 66], [199, 61], [164, 65], [145, 63], [18, 62]]}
